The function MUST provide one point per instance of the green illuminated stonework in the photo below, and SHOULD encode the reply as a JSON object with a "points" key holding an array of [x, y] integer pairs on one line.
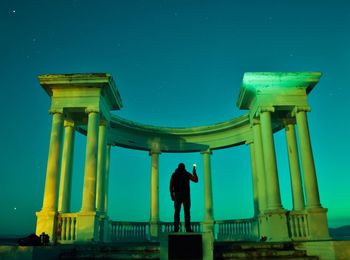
{"points": [[276, 101]]}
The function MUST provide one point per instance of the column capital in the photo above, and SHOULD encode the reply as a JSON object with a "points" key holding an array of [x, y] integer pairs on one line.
{"points": [[248, 142], [55, 111], [208, 151], [89, 110], [69, 123], [255, 121], [151, 152], [104, 122], [288, 121], [265, 109], [297, 109]]}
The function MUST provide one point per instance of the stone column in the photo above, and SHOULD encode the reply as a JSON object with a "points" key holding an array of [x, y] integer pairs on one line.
{"points": [[317, 216], [154, 218], [208, 224], [260, 165], [294, 168], [254, 178], [107, 177], [307, 160], [101, 167], [88, 219], [89, 189], [273, 190], [46, 218], [275, 221], [64, 199]]}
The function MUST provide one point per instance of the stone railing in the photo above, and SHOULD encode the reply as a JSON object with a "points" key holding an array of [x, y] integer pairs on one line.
{"points": [[168, 227], [129, 231], [298, 225], [225, 230], [236, 230], [66, 228]]}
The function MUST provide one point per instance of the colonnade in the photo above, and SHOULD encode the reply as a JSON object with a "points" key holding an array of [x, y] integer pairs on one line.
{"points": [[58, 184], [266, 190], [274, 100]]}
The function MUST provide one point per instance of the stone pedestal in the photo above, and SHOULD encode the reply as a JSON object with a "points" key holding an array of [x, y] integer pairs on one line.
{"points": [[276, 226], [103, 223], [47, 222], [88, 227], [154, 230], [318, 225], [187, 246]]}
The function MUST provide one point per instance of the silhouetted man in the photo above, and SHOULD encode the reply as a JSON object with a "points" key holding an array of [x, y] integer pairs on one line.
{"points": [[180, 194]]}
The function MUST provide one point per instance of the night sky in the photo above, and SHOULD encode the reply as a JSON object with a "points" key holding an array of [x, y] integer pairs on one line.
{"points": [[176, 63]]}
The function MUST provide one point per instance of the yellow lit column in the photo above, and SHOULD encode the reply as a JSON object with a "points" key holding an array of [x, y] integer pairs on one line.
{"points": [[46, 218], [208, 224], [260, 166], [107, 177], [154, 218], [64, 199], [294, 168], [89, 189], [254, 178], [87, 224], [307, 160], [255, 226], [317, 215], [273, 190], [101, 167], [53, 164], [275, 223]]}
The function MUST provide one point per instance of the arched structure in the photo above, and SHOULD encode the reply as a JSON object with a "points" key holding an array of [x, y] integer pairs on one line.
{"points": [[274, 100]]}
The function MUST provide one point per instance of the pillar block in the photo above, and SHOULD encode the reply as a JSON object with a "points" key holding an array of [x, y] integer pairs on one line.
{"points": [[88, 227], [47, 222], [318, 224]]}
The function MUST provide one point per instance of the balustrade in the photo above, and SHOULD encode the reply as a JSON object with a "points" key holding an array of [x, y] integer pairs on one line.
{"points": [[235, 230], [168, 227], [298, 226], [129, 231], [66, 227]]}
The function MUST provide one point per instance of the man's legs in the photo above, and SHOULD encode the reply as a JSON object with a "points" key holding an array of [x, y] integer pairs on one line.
{"points": [[177, 206], [187, 207]]}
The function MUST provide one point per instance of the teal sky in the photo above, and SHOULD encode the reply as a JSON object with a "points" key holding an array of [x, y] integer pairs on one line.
{"points": [[176, 63]]}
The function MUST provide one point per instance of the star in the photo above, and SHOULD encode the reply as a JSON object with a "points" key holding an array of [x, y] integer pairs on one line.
{"points": [[15, 208], [13, 11]]}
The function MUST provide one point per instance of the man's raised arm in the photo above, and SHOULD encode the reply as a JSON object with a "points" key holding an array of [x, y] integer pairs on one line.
{"points": [[193, 176]]}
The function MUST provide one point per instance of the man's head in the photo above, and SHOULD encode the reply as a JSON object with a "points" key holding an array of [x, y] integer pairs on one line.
{"points": [[181, 166]]}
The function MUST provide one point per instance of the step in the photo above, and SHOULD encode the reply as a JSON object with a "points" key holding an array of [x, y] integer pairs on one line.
{"points": [[114, 251]]}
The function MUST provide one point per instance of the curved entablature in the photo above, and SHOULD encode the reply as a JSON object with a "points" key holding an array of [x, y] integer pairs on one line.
{"points": [[133, 135]]}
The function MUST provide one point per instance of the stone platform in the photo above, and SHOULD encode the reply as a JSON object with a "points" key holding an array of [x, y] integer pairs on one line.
{"points": [[322, 250]]}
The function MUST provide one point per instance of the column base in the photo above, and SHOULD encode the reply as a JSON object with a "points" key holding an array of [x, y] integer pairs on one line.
{"points": [[104, 232], [154, 230], [208, 226], [47, 222], [88, 224], [318, 224], [274, 224]]}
